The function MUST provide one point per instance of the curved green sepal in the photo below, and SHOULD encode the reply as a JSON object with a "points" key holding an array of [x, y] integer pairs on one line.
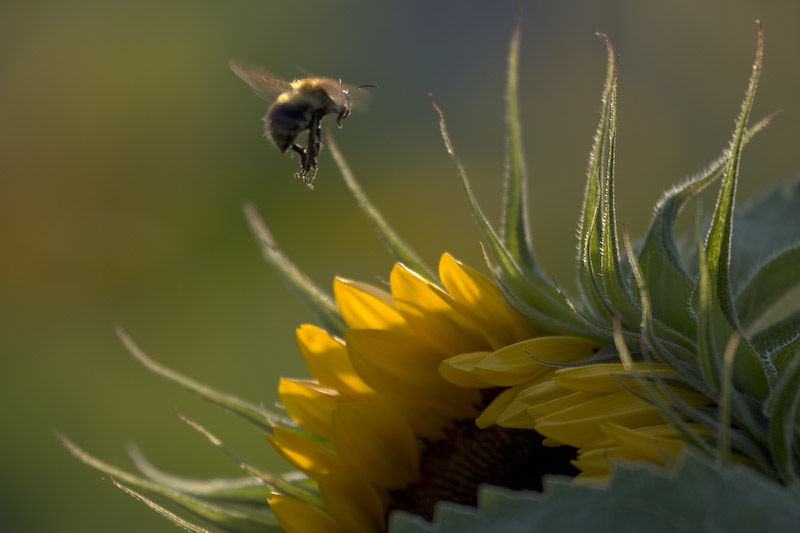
{"points": [[696, 496], [314, 297], [589, 233], [257, 416], [397, 247], [239, 490], [707, 355], [752, 373], [530, 295], [659, 399], [163, 511], [616, 291], [274, 482], [515, 227], [225, 517], [668, 280]]}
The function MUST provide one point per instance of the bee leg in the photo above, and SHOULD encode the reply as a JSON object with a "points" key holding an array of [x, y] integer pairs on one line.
{"points": [[308, 155], [309, 163], [303, 159]]}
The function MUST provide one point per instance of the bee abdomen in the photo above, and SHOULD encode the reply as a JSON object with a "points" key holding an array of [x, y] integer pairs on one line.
{"points": [[284, 122]]}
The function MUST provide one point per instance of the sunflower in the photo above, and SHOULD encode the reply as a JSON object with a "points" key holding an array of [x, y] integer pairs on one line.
{"points": [[393, 426], [422, 395]]}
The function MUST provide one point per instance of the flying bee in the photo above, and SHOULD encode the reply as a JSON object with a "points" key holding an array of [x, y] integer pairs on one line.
{"points": [[299, 106]]}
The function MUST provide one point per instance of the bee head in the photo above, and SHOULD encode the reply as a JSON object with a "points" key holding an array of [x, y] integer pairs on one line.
{"points": [[348, 102]]}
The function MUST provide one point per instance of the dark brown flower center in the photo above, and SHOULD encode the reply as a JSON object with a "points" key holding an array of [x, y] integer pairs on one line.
{"points": [[453, 467]]}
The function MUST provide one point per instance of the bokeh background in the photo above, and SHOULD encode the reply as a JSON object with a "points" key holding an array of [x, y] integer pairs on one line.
{"points": [[128, 148]]}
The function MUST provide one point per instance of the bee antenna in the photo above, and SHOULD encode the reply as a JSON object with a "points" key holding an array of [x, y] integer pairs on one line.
{"points": [[363, 86]]}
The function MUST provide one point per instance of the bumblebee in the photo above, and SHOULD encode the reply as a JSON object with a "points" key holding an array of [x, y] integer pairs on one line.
{"points": [[299, 106]]}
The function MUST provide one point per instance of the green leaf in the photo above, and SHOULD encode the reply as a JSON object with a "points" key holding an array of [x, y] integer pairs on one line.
{"points": [[765, 254], [768, 284], [314, 297], [752, 373], [660, 261], [782, 408], [764, 226], [516, 225], [226, 517], [397, 247], [684, 366], [260, 418], [668, 280], [780, 341], [697, 496]]}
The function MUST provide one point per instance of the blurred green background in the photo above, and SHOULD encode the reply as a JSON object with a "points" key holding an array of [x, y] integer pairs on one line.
{"points": [[128, 148]]}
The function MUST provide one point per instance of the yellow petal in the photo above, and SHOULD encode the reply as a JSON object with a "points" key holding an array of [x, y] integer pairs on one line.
{"points": [[476, 296], [431, 313], [352, 501], [653, 443], [496, 408], [458, 369], [313, 459], [405, 370], [309, 405], [509, 409], [603, 377], [560, 404], [297, 517], [327, 361], [597, 462], [516, 414], [516, 363], [581, 423], [364, 306], [543, 390], [377, 442]]}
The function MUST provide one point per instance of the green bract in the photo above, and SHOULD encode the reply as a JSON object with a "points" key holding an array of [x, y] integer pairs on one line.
{"points": [[703, 311]]}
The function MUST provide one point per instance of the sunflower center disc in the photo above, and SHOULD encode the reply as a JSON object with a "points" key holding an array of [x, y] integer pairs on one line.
{"points": [[452, 468]]}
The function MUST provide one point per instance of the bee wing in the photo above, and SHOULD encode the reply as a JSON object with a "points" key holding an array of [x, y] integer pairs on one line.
{"points": [[264, 84]]}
